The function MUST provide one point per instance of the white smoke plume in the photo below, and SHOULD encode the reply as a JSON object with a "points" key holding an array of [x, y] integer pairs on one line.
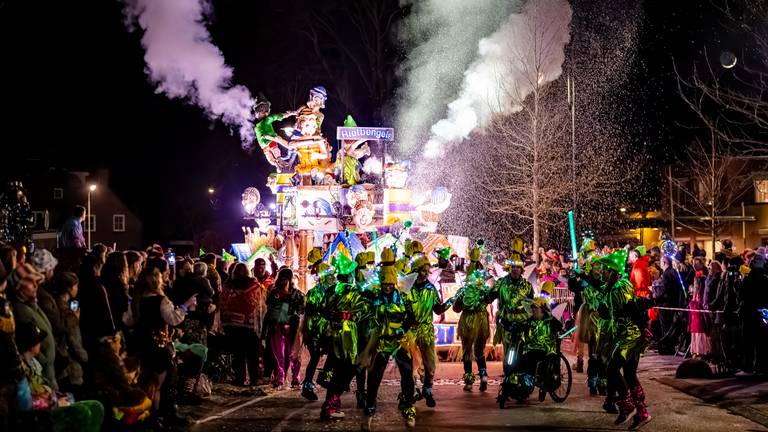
{"points": [[529, 42], [441, 37], [183, 63]]}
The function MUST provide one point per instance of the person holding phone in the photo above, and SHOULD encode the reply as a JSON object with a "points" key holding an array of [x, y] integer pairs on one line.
{"points": [[70, 354]]}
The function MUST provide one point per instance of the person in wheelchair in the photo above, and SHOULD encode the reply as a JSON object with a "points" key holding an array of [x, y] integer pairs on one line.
{"points": [[539, 342]]}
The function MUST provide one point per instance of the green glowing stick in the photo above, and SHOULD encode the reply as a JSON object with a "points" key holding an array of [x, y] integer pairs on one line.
{"points": [[574, 251]]}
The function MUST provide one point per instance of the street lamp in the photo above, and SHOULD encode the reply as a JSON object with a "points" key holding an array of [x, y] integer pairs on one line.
{"points": [[211, 190], [91, 188], [623, 209]]}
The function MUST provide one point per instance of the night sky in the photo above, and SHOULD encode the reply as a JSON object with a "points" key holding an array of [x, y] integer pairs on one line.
{"points": [[74, 94]]}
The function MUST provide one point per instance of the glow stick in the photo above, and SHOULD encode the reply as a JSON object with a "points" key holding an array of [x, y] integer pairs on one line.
{"points": [[572, 228]]}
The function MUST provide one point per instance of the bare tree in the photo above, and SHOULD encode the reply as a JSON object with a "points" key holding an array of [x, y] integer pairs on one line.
{"points": [[712, 183], [535, 166], [731, 98]]}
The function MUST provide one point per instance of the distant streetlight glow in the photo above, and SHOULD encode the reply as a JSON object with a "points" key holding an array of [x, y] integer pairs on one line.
{"points": [[92, 188], [623, 209], [211, 190], [272, 206]]}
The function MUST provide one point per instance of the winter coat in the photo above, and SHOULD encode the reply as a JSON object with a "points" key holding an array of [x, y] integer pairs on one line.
{"points": [[243, 305], [29, 311], [70, 354], [95, 311], [641, 277]]}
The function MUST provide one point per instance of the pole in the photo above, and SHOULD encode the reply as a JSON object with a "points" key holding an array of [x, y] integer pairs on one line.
{"points": [[89, 219], [743, 225], [571, 88], [671, 199]]}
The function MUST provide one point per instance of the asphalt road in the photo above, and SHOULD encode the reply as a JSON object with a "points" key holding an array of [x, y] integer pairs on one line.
{"points": [[459, 411]]}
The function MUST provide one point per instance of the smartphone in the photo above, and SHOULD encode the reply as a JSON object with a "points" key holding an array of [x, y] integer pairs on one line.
{"points": [[171, 258], [74, 305]]}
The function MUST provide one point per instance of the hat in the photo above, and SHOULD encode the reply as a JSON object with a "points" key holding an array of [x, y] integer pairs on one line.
{"points": [[370, 257], [517, 245], [319, 91], [615, 261], [387, 256], [343, 265], [43, 260], [388, 275], [641, 250], [444, 253], [474, 254], [315, 255], [350, 122], [587, 246], [28, 335], [419, 262]]}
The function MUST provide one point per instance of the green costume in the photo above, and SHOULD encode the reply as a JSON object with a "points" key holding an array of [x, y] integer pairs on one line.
{"points": [[474, 298], [265, 129], [512, 294]]}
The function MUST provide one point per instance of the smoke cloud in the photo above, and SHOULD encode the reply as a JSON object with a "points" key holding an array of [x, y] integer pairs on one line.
{"points": [[182, 62], [441, 37], [526, 50]]}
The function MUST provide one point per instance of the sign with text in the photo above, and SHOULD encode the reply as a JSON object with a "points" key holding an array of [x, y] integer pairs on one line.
{"points": [[365, 133]]}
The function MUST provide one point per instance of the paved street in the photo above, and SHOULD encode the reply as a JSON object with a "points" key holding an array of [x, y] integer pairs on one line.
{"points": [[457, 410]]}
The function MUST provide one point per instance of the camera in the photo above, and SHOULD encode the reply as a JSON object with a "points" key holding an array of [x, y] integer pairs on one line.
{"points": [[74, 305]]}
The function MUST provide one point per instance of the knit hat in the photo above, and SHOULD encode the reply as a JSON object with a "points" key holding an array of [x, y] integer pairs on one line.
{"points": [[43, 260], [387, 256]]}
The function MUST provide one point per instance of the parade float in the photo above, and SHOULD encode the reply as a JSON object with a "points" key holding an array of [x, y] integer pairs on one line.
{"points": [[346, 198]]}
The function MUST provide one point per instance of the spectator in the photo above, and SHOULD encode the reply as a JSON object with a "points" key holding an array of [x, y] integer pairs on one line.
{"points": [[66, 414], [242, 309], [26, 310], [95, 314], [71, 236], [135, 262], [44, 262], [156, 314], [70, 354], [754, 296], [115, 276], [726, 252], [100, 250], [671, 295], [285, 306], [112, 384], [698, 322], [640, 277], [10, 361], [709, 302], [728, 301]]}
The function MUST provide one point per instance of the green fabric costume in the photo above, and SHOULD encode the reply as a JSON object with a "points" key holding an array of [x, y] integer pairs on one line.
{"points": [[265, 129], [512, 294], [474, 296], [315, 323], [423, 299], [394, 316], [541, 335], [344, 307]]}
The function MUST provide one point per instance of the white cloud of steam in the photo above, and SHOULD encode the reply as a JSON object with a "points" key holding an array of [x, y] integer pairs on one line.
{"points": [[372, 165], [527, 47], [183, 62], [442, 37]]}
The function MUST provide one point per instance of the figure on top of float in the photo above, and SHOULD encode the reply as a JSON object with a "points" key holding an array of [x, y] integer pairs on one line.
{"points": [[307, 140], [269, 140]]}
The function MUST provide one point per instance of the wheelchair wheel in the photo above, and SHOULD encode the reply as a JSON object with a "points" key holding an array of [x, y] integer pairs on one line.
{"points": [[560, 379]]}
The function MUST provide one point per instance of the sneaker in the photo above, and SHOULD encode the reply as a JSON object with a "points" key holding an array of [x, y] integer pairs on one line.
{"points": [[640, 420], [295, 384], [410, 422], [468, 387], [431, 403]]}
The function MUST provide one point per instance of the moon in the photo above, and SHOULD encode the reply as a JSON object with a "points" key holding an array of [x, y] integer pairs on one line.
{"points": [[728, 59]]}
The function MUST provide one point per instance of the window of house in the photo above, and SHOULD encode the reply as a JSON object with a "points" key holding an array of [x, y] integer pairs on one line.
{"points": [[58, 193], [118, 223], [90, 226], [761, 191]]}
